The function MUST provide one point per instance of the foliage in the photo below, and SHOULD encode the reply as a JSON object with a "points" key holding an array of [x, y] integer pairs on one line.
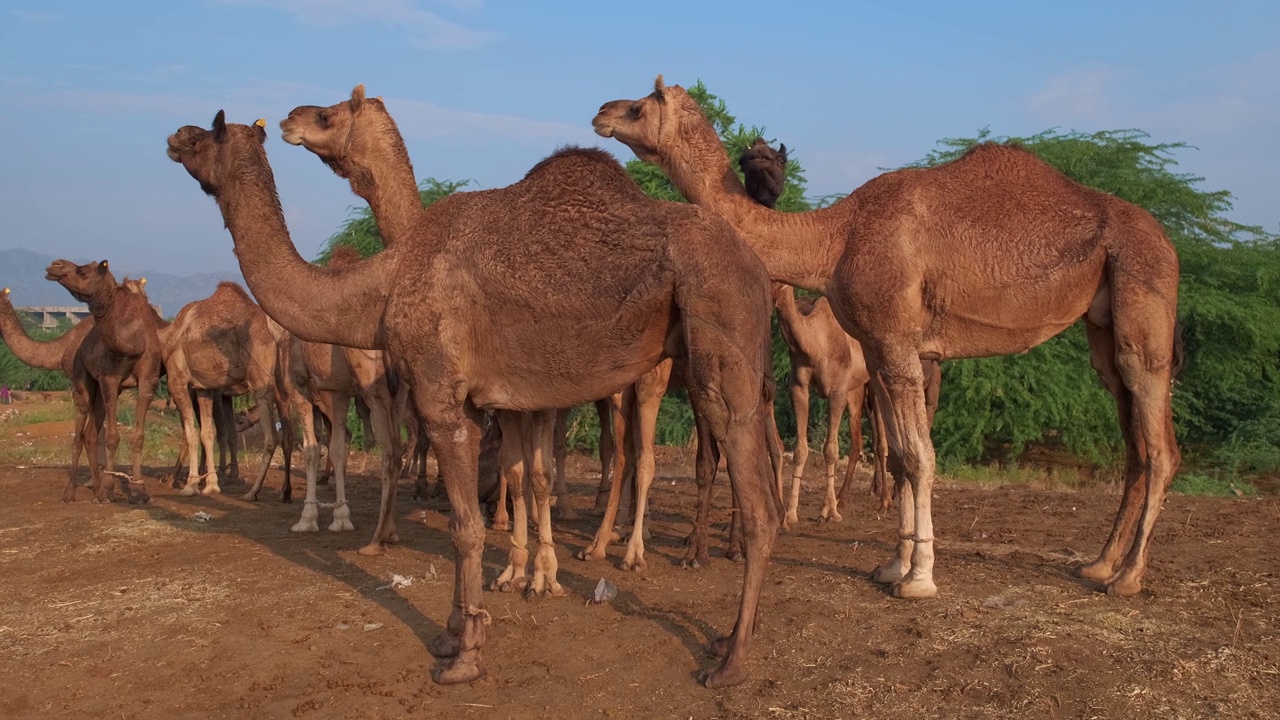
{"points": [[20, 376], [1200, 484], [360, 230], [1227, 400]]}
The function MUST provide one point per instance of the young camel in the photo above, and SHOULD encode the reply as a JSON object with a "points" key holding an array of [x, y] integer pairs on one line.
{"points": [[991, 254], [129, 331], [221, 343], [823, 353], [546, 294]]}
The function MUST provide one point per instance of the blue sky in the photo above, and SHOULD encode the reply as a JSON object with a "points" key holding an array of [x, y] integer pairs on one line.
{"points": [[483, 89]]}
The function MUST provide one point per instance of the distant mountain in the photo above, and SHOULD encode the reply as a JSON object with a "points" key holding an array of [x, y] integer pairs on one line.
{"points": [[22, 271]]}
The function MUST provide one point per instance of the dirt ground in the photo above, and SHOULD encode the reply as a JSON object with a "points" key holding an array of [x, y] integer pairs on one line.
{"points": [[143, 612]]}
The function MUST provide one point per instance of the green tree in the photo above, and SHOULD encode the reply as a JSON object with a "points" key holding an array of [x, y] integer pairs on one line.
{"points": [[360, 230], [1227, 400]]}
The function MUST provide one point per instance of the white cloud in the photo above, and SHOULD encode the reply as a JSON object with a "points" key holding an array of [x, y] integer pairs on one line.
{"points": [[426, 29], [1073, 97], [38, 16]]}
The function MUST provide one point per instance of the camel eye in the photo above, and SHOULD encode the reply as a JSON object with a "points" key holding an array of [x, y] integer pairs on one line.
{"points": [[635, 111], [323, 118]]}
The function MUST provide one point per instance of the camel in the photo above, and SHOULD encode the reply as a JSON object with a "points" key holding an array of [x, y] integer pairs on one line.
{"points": [[314, 129], [221, 343], [492, 307], [327, 377], [822, 352], [991, 254], [129, 331]]}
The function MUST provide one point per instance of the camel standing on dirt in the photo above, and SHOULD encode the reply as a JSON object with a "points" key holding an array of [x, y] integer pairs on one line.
{"points": [[129, 331], [990, 254], [221, 343], [598, 283], [823, 353]]}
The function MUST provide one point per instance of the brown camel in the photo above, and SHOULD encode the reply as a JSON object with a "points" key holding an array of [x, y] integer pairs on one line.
{"points": [[591, 292], [221, 343], [822, 351], [129, 330], [991, 254]]}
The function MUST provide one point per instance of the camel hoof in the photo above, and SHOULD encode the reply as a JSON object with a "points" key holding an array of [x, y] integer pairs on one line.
{"points": [[634, 565], [591, 553], [792, 520], [1096, 570], [303, 526], [543, 588], [696, 561], [915, 589], [444, 645], [372, 550], [734, 555], [189, 490], [832, 516], [725, 676], [211, 490], [888, 573], [501, 526], [249, 497], [1124, 587], [139, 499], [457, 672], [341, 526], [68, 497]]}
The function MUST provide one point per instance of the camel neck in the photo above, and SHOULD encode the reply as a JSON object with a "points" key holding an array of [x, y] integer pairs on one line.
{"points": [[341, 305], [386, 181], [46, 355], [798, 249]]}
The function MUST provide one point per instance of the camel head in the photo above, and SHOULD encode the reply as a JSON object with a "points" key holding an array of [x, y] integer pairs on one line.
{"points": [[82, 281], [765, 171], [652, 125], [137, 287], [209, 155], [339, 132]]}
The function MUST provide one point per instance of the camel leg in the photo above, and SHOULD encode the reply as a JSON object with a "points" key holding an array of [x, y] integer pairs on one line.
{"points": [[902, 381], [831, 454], [111, 432], [455, 434], [146, 391], [227, 424], [1151, 455], [543, 433], [501, 518], [800, 401], [208, 433], [774, 440], [564, 508], [187, 413], [337, 412], [516, 434], [856, 401], [739, 427], [883, 483], [645, 429], [605, 534], [616, 438], [309, 520], [270, 439], [88, 412], [708, 460], [382, 418], [604, 413]]}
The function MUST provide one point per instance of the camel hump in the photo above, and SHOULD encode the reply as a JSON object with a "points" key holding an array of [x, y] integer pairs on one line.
{"points": [[233, 288]]}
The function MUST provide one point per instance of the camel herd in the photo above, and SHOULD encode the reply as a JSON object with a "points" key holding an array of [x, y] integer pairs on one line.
{"points": [[503, 308]]}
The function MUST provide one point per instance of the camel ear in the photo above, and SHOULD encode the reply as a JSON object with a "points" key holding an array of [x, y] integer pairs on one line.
{"points": [[6, 292], [357, 97], [103, 267], [143, 282], [782, 152], [260, 130], [659, 87], [220, 126]]}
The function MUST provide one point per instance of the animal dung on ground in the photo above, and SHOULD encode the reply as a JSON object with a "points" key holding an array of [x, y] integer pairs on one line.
{"points": [[202, 516], [605, 591]]}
